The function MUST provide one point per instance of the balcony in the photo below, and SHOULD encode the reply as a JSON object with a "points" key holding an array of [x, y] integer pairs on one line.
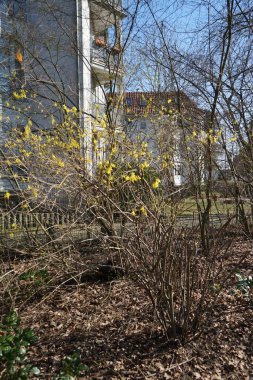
{"points": [[114, 6], [105, 13], [105, 62]]}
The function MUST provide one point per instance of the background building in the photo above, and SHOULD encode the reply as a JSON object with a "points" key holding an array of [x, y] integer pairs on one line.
{"points": [[58, 53], [167, 121]]}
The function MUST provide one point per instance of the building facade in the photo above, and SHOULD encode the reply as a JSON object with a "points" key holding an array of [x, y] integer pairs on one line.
{"points": [[54, 54], [167, 122]]}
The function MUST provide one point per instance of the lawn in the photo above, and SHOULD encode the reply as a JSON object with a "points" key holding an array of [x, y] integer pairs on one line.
{"points": [[188, 206]]}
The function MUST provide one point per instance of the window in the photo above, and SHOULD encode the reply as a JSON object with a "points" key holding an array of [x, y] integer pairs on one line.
{"points": [[129, 101], [178, 169], [143, 125], [143, 102], [18, 80]]}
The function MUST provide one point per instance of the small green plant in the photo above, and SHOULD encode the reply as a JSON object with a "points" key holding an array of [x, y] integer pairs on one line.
{"points": [[14, 342], [38, 277], [72, 367], [245, 285]]}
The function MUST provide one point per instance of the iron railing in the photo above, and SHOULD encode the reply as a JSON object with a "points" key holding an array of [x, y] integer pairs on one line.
{"points": [[102, 56]]}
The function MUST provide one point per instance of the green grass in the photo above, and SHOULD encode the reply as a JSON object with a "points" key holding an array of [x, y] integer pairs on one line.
{"points": [[188, 206]]}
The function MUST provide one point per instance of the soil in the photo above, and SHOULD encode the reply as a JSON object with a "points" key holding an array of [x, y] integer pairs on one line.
{"points": [[111, 323]]}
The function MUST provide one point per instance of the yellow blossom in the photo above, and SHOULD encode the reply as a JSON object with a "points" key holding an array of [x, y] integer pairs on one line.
{"points": [[132, 177], [109, 169], [144, 165], [66, 109], [7, 195], [19, 95], [27, 131], [34, 192], [53, 120], [58, 161], [73, 144], [143, 210], [156, 183], [103, 123]]}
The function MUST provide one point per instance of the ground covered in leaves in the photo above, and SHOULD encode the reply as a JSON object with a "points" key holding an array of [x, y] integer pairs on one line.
{"points": [[112, 323]]}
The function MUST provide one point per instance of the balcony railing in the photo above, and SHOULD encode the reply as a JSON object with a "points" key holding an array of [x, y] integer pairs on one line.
{"points": [[105, 59], [112, 5], [115, 4]]}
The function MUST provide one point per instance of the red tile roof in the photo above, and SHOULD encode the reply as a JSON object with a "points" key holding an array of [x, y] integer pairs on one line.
{"points": [[153, 102]]}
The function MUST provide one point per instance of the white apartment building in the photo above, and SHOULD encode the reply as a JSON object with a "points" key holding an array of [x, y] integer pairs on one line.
{"points": [[148, 117], [155, 119], [61, 52]]}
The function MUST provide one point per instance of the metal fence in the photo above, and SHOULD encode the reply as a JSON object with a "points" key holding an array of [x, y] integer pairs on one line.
{"points": [[23, 220]]}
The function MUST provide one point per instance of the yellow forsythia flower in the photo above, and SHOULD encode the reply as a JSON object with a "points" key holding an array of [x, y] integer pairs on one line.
{"points": [[156, 183], [103, 124], [34, 192], [7, 195], [24, 205], [73, 144], [27, 131], [132, 177], [143, 210], [144, 165], [109, 169], [66, 109], [19, 95]]}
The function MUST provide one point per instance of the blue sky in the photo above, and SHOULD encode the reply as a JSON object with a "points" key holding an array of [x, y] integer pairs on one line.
{"points": [[179, 18], [182, 18]]}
